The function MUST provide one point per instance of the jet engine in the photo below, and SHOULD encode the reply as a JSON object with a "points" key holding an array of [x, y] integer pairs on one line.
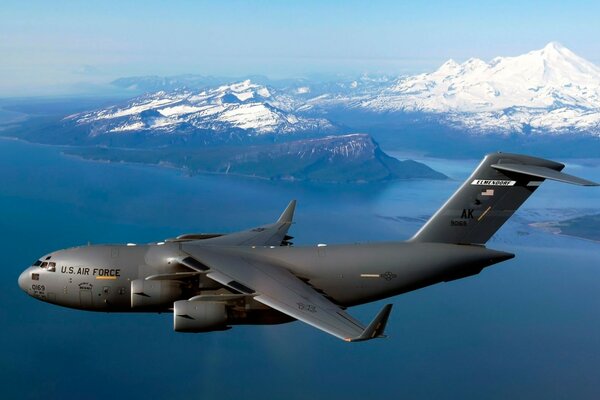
{"points": [[149, 294], [199, 316]]}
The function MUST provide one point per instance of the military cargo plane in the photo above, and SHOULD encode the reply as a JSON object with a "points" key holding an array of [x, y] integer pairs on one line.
{"points": [[213, 281]]}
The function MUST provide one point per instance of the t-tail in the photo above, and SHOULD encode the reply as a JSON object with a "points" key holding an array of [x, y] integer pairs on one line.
{"points": [[489, 197]]}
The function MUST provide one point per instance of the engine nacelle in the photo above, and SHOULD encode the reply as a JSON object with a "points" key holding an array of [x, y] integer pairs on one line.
{"points": [[148, 294], [199, 316]]}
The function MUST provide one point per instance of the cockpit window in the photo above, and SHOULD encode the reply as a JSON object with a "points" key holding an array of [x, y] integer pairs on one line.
{"points": [[37, 263], [50, 266]]}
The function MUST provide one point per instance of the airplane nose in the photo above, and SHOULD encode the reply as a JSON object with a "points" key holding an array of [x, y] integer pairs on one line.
{"points": [[23, 280]]}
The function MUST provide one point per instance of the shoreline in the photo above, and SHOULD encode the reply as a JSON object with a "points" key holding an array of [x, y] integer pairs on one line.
{"points": [[183, 171], [550, 228], [192, 174]]}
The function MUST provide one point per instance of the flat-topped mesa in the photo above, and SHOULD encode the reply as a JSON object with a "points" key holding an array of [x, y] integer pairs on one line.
{"points": [[346, 158]]}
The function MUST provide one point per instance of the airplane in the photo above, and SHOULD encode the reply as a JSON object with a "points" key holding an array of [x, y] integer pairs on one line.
{"points": [[211, 282]]}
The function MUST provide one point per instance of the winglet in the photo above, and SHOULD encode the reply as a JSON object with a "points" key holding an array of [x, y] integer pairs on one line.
{"points": [[376, 327], [288, 213]]}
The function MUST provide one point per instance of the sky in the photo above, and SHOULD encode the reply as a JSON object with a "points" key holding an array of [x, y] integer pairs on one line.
{"points": [[72, 46]]}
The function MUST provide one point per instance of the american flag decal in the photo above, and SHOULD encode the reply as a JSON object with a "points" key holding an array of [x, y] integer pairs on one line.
{"points": [[488, 192]]}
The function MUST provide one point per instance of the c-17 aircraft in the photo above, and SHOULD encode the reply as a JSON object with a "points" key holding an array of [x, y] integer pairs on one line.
{"points": [[213, 281]]}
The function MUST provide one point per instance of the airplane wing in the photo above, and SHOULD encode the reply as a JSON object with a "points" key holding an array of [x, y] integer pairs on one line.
{"points": [[278, 288], [266, 235]]}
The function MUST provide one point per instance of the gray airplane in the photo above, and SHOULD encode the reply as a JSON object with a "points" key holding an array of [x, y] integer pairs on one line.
{"points": [[212, 281]]}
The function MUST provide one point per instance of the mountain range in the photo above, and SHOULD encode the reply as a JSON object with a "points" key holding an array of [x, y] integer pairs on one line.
{"points": [[298, 129], [238, 106], [547, 91]]}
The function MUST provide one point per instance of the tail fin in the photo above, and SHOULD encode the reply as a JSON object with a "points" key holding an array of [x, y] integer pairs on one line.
{"points": [[491, 195]]}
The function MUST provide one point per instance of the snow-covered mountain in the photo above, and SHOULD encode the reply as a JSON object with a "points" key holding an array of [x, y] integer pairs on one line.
{"points": [[243, 105], [549, 90]]}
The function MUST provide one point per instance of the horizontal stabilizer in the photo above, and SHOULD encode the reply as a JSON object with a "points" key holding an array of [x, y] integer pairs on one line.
{"points": [[543, 172], [376, 327]]}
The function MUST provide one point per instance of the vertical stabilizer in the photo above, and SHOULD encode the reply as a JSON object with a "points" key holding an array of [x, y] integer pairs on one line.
{"points": [[489, 197]]}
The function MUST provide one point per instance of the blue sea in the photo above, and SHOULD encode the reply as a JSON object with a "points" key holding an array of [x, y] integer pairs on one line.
{"points": [[527, 328]]}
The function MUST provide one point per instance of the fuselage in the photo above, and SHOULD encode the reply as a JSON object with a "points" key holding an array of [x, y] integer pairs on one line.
{"points": [[105, 277]]}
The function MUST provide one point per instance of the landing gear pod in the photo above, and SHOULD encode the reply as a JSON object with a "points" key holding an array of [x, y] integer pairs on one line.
{"points": [[199, 316]]}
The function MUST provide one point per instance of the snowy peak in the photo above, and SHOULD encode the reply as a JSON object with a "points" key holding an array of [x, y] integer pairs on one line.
{"points": [[551, 81], [241, 105], [241, 91], [555, 51], [449, 67], [537, 79], [553, 65]]}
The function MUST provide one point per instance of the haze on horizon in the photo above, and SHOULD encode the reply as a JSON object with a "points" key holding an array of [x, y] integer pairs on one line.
{"points": [[67, 47]]}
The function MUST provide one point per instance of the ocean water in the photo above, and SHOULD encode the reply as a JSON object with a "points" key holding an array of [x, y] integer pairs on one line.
{"points": [[527, 328]]}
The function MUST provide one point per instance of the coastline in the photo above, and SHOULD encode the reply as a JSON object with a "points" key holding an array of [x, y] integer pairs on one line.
{"points": [[186, 172], [553, 228]]}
